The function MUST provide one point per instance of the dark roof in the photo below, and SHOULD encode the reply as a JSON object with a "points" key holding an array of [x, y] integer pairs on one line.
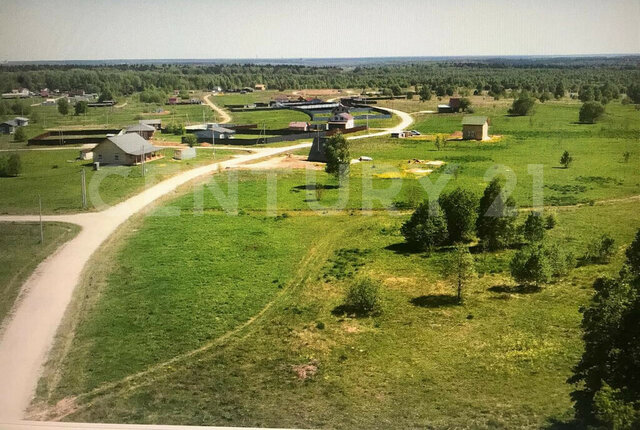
{"points": [[132, 144], [474, 120], [139, 127]]}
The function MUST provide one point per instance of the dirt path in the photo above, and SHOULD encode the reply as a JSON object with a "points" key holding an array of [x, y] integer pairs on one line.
{"points": [[29, 333], [224, 116]]}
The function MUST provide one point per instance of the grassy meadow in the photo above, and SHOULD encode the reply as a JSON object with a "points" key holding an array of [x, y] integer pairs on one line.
{"points": [[21, 251], [55, 176]]}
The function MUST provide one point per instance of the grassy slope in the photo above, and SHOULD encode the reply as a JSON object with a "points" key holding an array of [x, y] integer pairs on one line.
{"points": [[501, 359], [21, 252], [55, 175]]}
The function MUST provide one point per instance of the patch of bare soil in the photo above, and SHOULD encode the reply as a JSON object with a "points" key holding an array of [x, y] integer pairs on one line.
{"points": [[44, 412], [288, 161], [304, 371]]}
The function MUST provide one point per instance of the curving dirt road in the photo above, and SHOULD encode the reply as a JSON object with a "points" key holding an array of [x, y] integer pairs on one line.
{"points": [[29, 333], [224, 116]]}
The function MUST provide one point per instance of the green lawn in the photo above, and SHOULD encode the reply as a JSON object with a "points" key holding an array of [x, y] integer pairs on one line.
{"points": [[21, 251], [500, 360], [55, 176]]}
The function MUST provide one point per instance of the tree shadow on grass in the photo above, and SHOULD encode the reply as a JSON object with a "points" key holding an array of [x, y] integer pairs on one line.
{"points": [[313, 187], [349, 311], [435, 301], [402, 248], [515, 289]]}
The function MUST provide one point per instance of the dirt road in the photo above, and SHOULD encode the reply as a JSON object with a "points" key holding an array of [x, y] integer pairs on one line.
{"points": [[29, 333], [224, 116]]}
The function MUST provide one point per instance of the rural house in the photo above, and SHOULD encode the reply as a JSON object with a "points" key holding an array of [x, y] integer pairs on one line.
{"points": [[214, 132], [9, 127], [475, 128], [145, 131], [341, 120], [155, 123], [126, 149]]}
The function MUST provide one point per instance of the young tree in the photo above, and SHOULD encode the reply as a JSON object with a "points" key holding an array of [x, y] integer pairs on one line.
{"points": [[461, 210], [530, 265], [338, 156], [63, 106], [20, 135], [10, 166], [523, 105], [465, 104], [550, 222], [425, 93], [590, 112], [495, 224], [600, 250], [566, 159], [81, 107], [190, 139], [608, 373], [460, 269], [426, 229], [533, 228]]}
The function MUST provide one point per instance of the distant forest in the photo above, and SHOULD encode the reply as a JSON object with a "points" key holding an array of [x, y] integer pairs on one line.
{"points": [[495, 76]]}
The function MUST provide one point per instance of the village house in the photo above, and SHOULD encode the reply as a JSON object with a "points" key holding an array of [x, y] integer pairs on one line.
{"points": [[453, 106], [341, 120], [9, 127], [126, 149], [22, 93], [145, 131], [155, 123], [475, 128]]}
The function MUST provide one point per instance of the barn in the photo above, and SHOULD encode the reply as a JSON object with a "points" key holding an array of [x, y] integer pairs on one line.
{"points": [[126, 149], [475, 128]]}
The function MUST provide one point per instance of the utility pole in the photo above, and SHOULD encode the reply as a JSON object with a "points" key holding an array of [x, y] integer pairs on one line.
{"points": [[213, 141], [84, 189], [41, 226], [143, 157]]}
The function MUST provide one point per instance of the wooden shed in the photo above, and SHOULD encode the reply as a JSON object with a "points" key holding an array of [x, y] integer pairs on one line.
{"points": [[475, 128]]}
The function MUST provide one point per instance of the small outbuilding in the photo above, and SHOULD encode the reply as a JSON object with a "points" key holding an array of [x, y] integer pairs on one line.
{"points": [[475, 128], [145, 131], [299, 126], [10, 126], [260, 87], [214, 132], [126, 149]]}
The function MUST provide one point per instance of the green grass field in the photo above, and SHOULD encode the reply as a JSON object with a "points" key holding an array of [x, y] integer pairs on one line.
{"points": [[213, 318], [21, 251], [55, 176]]}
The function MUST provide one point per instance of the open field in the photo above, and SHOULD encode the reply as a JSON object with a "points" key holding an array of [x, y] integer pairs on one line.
{"points": [[55, 176], [422, 362], [21, 251]]}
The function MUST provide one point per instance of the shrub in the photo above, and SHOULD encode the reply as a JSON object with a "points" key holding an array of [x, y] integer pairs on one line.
{"points": [[20, 135], [566, 159], [63, 106], [363, 297], [81, 107], [600, 250], [338, 156], [561, 262], [426, 228], [190, 139], [10, 166], [530, 265], [550, 222], [533, 228], [522, 105], [590, 112]]}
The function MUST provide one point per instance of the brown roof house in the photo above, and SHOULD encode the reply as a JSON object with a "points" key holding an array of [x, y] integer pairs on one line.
{"points": [[298, 125], [125, 149], [341, 120], [475, 128]]}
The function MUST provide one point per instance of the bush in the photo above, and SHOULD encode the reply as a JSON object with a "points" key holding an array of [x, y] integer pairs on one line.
{"points": [[530, 265], [550, 222], [10, 166], [426, 228], [20, 135], [338, 156], [63, 106], [522, 105], [533, 228], [190, 139], [590, 112], [566, 159], [81, 107], [600, 250], [561, 262], [363, 297]]}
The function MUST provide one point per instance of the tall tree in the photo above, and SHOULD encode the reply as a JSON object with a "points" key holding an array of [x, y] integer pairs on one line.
{"points": [[461, 210], [338, 156], [495, 224], [63, 106]]}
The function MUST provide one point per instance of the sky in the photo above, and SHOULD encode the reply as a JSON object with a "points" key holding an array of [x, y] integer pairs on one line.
{"points": [[209, 29]]}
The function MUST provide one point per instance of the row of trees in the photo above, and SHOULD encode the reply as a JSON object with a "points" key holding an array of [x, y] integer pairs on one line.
{"points": [[604, 78]]}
